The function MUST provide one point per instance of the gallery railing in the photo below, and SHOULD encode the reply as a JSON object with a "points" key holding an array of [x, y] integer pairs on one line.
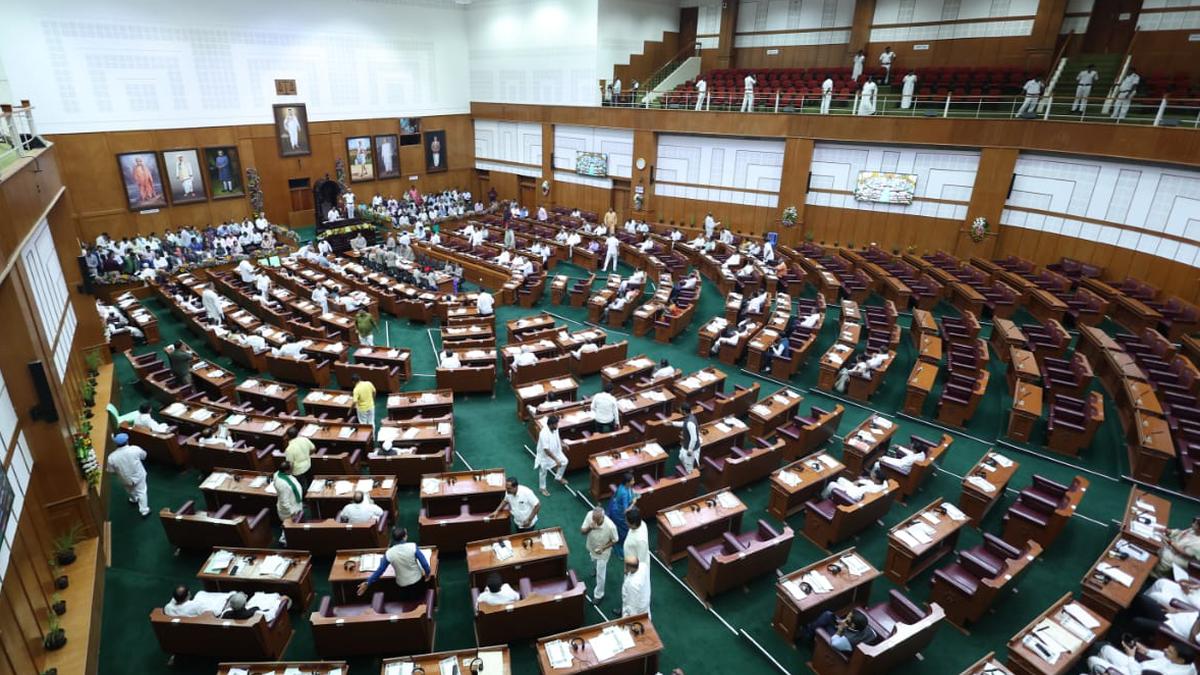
{"points": [[18, 133]]}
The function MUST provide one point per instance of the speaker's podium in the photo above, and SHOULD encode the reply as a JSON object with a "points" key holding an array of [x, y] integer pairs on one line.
{"points": [[327, 194]]}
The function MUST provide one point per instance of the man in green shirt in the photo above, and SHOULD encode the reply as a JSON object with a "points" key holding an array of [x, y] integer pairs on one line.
{"points": [[366, 324], [180, 358], [298, 454]]}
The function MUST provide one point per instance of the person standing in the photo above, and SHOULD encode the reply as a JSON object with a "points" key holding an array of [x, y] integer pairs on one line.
{"points": [[549, 455], [601, 535], [635, 589], [365, 324], [224, 172], [126, 462], [1083, 89], [906, 91], [623, 499], [321, 296], [748, 93], [866, 101], [701, 93], [617, 91], [885, 60], [604, 409], [860, 60], [298, 455], [289, 496], [1033, 91], [637, 541], [212, 305], [411, 566], [612, 248], [292, 126], [186, 175], [180, 358], [689, 438], [1125, 92], [710, 225], [610, 220], [826, 95], [520, 501], [485, 303]]}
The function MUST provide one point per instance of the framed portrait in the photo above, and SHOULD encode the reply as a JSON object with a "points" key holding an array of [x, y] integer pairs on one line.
{"points": [[291, 129], [185, 180], [362, 158], [435, 151], [387, 156], [410, 126], [143, 180], [224, 172]]}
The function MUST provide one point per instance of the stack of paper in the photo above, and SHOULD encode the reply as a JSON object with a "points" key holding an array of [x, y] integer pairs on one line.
{"points": [[1001, 460], [369, 561], [728, 500], [819, 582], [410, 433], [954, 512], [345, 432], [250, 384], [552, 541], [706, 376], [234, 420], [675, 518], [793, 588], [309, 429], [722, 427], [653, 449], [558, 652], [445, 428], [789, 478], [604, 461], [828, 461], [495, 479], [1115, 573], [216, 372], [318, 485], [274, 566], [981, 484], [834, 359], [562, 384], [365, 485], [502, 550], [215, 480], [343, 487], [530, 391], [760, 410], [219, 561], [272, 389], [258, 482], [341, 399], [176, 409], [201, 415], [855, 565], [431, 485]]}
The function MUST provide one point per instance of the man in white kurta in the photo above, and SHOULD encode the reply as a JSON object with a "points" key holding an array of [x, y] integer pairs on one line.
{"points": [[601, 535], [245, 270], [885, 60], [866, 101], [635, 590], [212, 305], [292, 126], [826, 95], [186, 176], [612, 252], [860, 60], [1125, 92], [1083, 88], [748, 93], [126, 463], [321, 297], [637, 539], [701, 93], [907, 89], [289, 496], [360, 511], [520, 501], [1033, 91], [549, 455]]}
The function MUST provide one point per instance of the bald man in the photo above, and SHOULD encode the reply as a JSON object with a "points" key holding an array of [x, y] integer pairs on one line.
{"points": [[635, 590]]}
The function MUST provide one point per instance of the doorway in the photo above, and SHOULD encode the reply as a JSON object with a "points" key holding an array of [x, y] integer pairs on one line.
{"points": [[619, 198], [1111, 26]]}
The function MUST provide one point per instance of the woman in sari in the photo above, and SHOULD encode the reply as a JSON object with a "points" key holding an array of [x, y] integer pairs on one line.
{"points": [[622, 500]]}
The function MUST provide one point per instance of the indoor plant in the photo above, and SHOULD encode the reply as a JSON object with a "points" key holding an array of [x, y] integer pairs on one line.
{"points": [[93, 362], [58, 604], [64, 545], [61, 580], [56, 637]]}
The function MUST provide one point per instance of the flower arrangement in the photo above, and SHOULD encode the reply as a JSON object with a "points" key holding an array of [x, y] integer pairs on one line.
{"points": [[254, 184], [978, 229], [790, 216], [339, 169], [545, 187], [85, 454]]}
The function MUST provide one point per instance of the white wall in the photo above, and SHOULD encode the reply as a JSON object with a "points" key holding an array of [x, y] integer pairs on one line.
{"points": [[708, 21], [533, 51], [719, 169], [570, 140], [893, 16], [624, 25], [140, 64], [1158, 199], [757, 16], [512, 147], [6, 95], [1181, 20], [944, 175]]}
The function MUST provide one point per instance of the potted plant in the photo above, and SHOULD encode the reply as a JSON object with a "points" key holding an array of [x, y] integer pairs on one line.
{"points": [[93, 362], [50, 671], [808, 236], [56, 637], [61, 581], [58, 604], [912, 249], [87, 391], [64, 545], [850, 245], [789, 217]]}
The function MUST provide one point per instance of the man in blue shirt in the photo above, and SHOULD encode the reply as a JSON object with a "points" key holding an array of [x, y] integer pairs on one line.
{"points": [[412, 569], [850, 629]]}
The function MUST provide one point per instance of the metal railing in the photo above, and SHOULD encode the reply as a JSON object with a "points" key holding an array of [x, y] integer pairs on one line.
{"points": [[18, 132], [1165, 111]]}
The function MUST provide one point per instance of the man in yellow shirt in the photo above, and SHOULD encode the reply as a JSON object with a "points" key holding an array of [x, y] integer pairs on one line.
{"points": [[298, 454], [364, 401]]}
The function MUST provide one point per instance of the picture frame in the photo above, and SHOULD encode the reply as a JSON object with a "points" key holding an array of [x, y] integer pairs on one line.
{"points": [[142, 178], [360, 157], [224, 177], [410, 126], [387, 156], [185, 179], [435, 151], [291, 129]]}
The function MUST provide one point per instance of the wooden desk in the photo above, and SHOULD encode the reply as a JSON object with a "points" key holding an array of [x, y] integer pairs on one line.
{"points": [[929, 349], [705, 518], [213, 380], [1024, 661], [1005, 337], [719, 436], [923, 324], [1150, 448], [996, 470], [608, 469], [906, 560], [920, 384], [1025, 412], [331, 403], [348, 571], [1023, 366], [425, 436], [700, 385], [1106, 595], [793, 611], [431, 663], [530, 557], [1045, 306], [627, 370], [865, 443], [192, 417], [988, 665], [1146, 516], [1134, 314], [266, 395], [245, 491], [243, 573], [640, 659], [516, 328], [800, 481], [833, 360], [563, 387], [425, 404], [773, 412], [277, 667], [328, 494]]}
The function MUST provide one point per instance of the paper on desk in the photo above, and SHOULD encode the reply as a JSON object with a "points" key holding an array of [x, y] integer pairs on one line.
{"points": [[258, 482], [558, 652], [274, 566], [398, 668], [250, 384], [215, 480], [604, 646], [234, 420], [238, 671], [1036, 645], [689, 383], [675, 518], [728, 500], [706, 376], [365, 485], [201, 415], [216, 372], [954, 512], [341, 399], [604, 461], [789, 478], [1115, 573], [722, 427], [819, 582], [881, 422], [655, 395], [653, 449], [904, 536], [495, 479], [1145, 506], [175, 409], [431, 485], [530, 391], [410, 433], [981, 483], [219, 561], [828, 461], [855, 565], [1058, 635], [793, 588], [931, 517], [502, 550], [552, 541], [1081, 615], [1001, 460], [625, 405], [760, 410], [735, 422], [345, 432]]}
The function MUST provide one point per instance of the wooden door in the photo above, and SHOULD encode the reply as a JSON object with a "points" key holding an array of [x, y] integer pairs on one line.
{"points": [[688, 19], [1111, 26], [619, 198]]}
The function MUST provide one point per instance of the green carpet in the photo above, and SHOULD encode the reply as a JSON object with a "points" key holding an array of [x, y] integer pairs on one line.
{"points": [[145, 569]]}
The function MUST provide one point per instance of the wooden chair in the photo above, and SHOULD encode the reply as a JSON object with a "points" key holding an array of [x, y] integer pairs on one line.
{"points": [[590, 363], [547, 606], [741, 467], [903, 628], [253, 639], [325, 537], [803, 435], [968, 587], [384, 378], [542, 369], [910, 478], [380, 627], [304, 371], [468, 522], [655, 494], [162, 447], [186, 528], [828, 521], [468, 379], [408, 469], [736, 559], [205, 458]]}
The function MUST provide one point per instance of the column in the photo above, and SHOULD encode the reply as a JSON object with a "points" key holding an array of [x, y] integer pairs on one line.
{"points": [[996, 166], [729, 12]]}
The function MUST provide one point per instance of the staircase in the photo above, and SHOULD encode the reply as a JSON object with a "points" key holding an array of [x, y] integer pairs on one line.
{"points": [[1107, 65]]}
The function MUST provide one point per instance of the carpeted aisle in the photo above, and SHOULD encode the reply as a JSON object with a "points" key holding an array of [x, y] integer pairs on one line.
{"points": [[699, 640]]}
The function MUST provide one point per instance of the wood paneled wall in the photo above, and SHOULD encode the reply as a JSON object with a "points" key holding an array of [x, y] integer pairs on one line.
{"points": [[654, 55], [90, 169], [806, 56], [1165, 51]]}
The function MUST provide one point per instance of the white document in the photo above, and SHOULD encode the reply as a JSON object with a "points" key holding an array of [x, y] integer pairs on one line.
{"points": [[794, 590], [954, 512], [410, 433], [495, 479], [675, 518], [722, 427], [604, 461], [728, 500], [502, 550], [219, 561], [343, 487], [365, 485], [345, 432], [1082, 615], [981, 484], [855, 565], [789, 478], [653, 449], [760, 410], [1001, 460], [445, 428], [234, 420], [558, 653], [1115, 573], [552, 541], [215, 480], [431, 485]]}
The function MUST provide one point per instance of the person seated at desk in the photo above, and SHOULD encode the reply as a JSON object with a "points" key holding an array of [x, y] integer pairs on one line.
{"points": [[699, 242], [1180, 547], [219, 436], [332, 215], [862, 368], [522, 503], [524, 266], [858, 488], [143, 418], [730, 336], [850, 630], [524, 357], [635, 280], [236, 609], [605, 411], [726, 236], [635, 589], [810, 321], [1134, 658], [781, 349], [755, 304], [732, 261], [485, 303], [585, 348], [617, 304], [360, 511], [901, 458], [291, 350], [646, 246], [320, 296], [752, 249], [504, 258], [182, 604], [643, 227], [245, 270], [664, 370], [496, 592], [410, 564], [257, 343], [747, 270], [359, 242], [449, 359]]}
